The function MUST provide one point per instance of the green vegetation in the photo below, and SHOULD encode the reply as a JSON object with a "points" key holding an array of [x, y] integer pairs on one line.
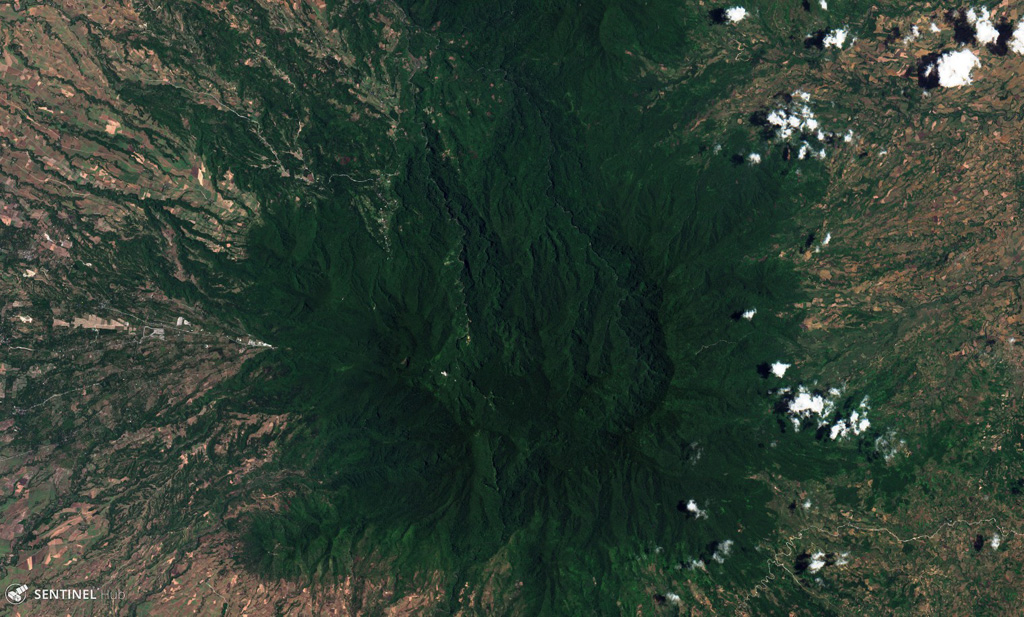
{"points": [[532, 352]]}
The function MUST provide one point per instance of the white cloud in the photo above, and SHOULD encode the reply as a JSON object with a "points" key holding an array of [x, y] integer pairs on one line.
{"points": [[795, 122], [735, 14], [779, 368], [793, 117], [934, 28], [823, 4], [753, 158], [722, 551], [836, 38], [1017, 40], [888, 445], [844, 558], [749, 314], [673, 598], [996, 541], [803, 405], [817, 562], [691, 507], [824, 242], [955, 68], [856, 424], [984, 30]]}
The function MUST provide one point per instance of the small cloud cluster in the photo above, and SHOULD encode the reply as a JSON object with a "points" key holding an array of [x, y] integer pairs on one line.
{"points": [[855, 424], [996, 541], [694, 511], [803, 405], [694, 452], [806, 407], [971, 26], [824, 39], [793, 121], [814, 562], [735, 14], [836, 38], [714, 552], [824, 242], [955, 68], [722, 550], [984, 30], [748, 314], [731, 15], [1016, 42], [889, 446], [794, 117], [817, 562], [779, 368], [951, 69]]}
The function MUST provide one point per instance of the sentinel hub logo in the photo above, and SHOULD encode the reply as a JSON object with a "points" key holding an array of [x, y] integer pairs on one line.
{"points": [[17, 594]]}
